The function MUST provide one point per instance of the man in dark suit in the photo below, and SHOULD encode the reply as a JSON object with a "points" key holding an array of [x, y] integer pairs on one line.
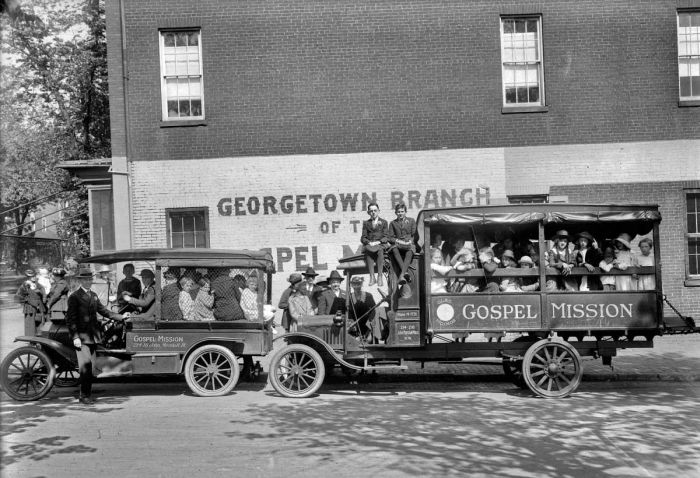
{"points": [[333, 299], [309, 288], [85, 329], [375, 241]]}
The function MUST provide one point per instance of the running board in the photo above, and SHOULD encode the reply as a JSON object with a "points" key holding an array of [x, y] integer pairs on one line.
{"points": [[385, 365], [476, 360]]}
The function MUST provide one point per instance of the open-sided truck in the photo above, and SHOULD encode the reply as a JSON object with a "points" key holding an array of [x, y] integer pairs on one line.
{"points": [[207, 352], [542, 334]]}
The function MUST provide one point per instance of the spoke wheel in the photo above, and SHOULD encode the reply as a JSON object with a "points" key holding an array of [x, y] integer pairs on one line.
{"points": [[297, 371], [27, 374], [552, 369], [211, 371], [67, 378]]}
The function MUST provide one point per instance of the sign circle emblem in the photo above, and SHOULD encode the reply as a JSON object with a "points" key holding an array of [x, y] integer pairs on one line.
{"points": [[445, 312]]}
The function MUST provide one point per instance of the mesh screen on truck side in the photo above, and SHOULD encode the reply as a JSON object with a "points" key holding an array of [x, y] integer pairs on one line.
{"points": [[212, 293]]}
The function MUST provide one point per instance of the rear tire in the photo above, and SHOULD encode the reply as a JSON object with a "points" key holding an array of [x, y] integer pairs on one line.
{"points": [[211, 371], [27, 373]]}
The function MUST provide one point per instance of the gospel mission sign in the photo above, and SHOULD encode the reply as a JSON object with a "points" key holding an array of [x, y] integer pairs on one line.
{"points": [[568, 311]]}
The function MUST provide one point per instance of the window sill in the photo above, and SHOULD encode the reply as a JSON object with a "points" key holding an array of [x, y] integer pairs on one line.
{"points": [[524, 109], [684, 103], [182, 123], [692, 282]]}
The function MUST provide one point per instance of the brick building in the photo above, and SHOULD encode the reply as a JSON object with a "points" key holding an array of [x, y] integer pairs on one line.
{"points": [[272, 124]]}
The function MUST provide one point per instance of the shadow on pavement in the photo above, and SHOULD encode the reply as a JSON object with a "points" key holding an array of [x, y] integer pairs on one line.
{"points": [[615, 432]]}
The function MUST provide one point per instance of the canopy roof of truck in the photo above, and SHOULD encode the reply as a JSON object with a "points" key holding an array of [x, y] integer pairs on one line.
{"points": [[547, 213], [189, 257]]}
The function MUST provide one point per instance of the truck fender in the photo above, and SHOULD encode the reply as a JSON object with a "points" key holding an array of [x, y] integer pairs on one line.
{"points": [[63, 351], [317, 344]]}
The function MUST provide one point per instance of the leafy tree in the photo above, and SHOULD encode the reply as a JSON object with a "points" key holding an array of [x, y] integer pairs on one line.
{"points": [[54, 101]]}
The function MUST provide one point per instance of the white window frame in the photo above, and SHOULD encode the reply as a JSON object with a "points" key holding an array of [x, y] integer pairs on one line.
{"points": [[691, 279], [693, 35], [539, 62], [164, 77]]}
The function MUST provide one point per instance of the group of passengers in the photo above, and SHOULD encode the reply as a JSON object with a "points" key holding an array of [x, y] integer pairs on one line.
{"points": [[40, 293], [455, 254]]}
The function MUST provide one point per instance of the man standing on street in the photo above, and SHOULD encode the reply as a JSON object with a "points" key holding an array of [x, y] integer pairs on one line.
{"points": [[85, 329]]}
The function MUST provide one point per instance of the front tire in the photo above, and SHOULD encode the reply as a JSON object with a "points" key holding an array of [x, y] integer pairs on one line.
{"points": [[27, 373], [211, 371], [297, 371]]}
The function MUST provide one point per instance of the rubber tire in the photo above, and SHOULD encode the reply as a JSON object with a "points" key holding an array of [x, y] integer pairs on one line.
{"points": [[278, 370], [42, 359], [196, 360], [532, 356]]}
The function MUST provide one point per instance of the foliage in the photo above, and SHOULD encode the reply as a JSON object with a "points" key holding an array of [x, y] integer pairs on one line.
{"points": [[54, 101]]}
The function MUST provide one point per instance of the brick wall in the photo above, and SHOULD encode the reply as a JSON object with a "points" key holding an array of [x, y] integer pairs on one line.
{"points": [[312, 77], [670, 197]]}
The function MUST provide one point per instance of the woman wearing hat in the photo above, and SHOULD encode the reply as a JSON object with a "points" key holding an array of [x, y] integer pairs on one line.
{"points": [[32, 296], [299, 306], [85, 329], [589, 256], [59, 293], [624, 259], [333, 299], [283, 304]]}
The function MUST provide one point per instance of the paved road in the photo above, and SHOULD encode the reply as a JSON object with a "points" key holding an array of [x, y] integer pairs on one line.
{"points": [[441, 421]]}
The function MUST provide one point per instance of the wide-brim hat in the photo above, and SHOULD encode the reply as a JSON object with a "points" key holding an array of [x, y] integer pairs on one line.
{"points": [[29, 273], [58, 271], [585, 235], [298, 286], [105, 268], [294, 278], [172, 273], [625, 239], [560, 233], [147, 272], [309, 272], [83, 273], [508, 253], [335, 275], [526, 260], [357, 280]]}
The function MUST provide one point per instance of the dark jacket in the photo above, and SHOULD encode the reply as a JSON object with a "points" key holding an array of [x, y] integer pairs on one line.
{"points": [[283, 305], [81, 316], [404, 230], [593, 257], [146, 302], [227, 298], [133, 287], [372, 233], [170, 302], [33, 299], [60, 289], [329, 304]]}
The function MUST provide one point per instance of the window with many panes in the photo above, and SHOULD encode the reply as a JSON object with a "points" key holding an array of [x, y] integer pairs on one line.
{"points": [[181, 74], [693, 236], [689, 55], [521, 57], [188, 227]]}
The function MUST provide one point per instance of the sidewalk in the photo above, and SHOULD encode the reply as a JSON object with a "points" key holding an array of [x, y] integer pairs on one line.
{"points": [[673, 358]]}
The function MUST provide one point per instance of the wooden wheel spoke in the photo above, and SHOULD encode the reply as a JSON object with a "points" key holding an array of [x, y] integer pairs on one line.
{"points": [[537, 374], [540, 358], [549, 385], [24, 365], [21, 370], [564, 378], [303, 379], [546, 353], [542, 380]]}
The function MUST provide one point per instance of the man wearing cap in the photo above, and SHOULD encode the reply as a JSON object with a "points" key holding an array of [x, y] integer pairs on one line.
{"points": [[283, 305], [85, 329], [333, 299], [563, 259], [309, 288], [147, 299], [32, 296]]}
